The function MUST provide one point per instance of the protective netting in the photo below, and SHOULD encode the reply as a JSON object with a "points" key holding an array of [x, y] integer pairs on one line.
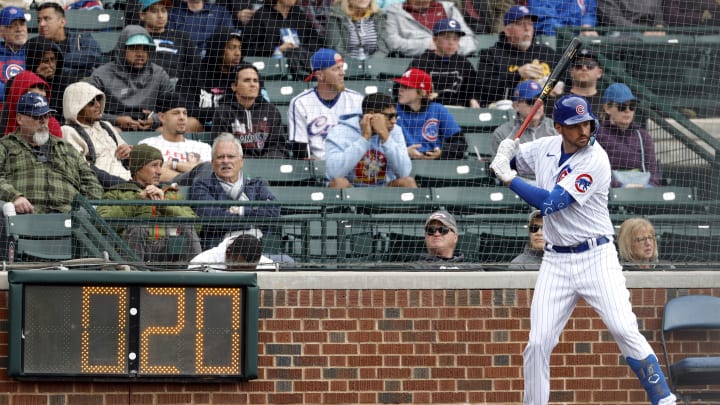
{"points": [[666, 59]]}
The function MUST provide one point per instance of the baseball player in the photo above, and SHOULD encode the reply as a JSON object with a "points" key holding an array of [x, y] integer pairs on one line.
{"points": [[580, 261], [314, 111]]}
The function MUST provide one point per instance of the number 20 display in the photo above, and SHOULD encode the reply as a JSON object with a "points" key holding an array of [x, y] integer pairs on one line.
{"points": [[133, 325]]}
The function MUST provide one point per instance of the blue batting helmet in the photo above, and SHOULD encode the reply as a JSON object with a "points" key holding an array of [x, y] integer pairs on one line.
{"points": [[571, 109]]}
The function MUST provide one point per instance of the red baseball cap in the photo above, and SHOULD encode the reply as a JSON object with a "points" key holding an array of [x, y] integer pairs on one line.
{"points": [[415, 79]]}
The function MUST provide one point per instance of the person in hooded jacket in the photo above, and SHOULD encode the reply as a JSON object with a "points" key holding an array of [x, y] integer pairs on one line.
{"points": [[45, 59], [216, 75], [25, 82], [132, 83], [96, 140], [254, 121]]}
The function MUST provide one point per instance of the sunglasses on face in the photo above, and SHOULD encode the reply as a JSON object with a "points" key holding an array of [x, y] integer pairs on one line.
{"points": [[625, 107], [430, 230], [390, 116], [97, 99], [589, 65], [534, 228]]}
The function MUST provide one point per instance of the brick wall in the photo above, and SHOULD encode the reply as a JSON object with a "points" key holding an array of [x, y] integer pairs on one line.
{"points": [[449, 346]]}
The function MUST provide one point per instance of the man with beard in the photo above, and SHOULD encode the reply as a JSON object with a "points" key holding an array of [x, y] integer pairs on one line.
{"points": [[315, 111], [97, 140], [515, 57], [585, 73], [255, 122], [132, 83], [180, 155], [39, 173]]}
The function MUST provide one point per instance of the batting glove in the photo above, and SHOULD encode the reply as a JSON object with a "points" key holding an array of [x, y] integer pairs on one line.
{"points": [[501, 166], [508, 148]]}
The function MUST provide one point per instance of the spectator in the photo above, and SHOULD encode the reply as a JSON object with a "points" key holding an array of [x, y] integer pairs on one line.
{"points": [[632, 13], [523, 98], [515, 57], [96, 140], [132, 83], [254, 121], [454, 77], [215, 75], [38, 173], [441, 238], [683, 13], [585, 73], [199, 19], [281, 26], [151, 242], [637, 244], [556, 14], [226, 182], [45, 59], [22, 83], [315, 111], [175, 51], [430, 130], [180, 155], [81, 53], [14, 33], [531, 257], [628, 145], [355, 28], [368, 149], [243, 252], [486, 16], [410, 26]]}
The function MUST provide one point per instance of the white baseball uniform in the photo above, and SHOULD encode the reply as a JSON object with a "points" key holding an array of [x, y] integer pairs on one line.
{"points": [[310, 118], [594, 274]]}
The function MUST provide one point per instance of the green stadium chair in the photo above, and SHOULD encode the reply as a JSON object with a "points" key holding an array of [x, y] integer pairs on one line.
{"points": [[485, 41], [107, 40], [281, 92], [497, 243], [280, 172], [39, 237], [688, 243], [95, 20], [366, 87], [306, 199], [479, 119], [206, 137], [31, 21], [283, 109], [134, 137], [383, 68], [384, 200], [449, 173], [479, 200], [654, 200], [269, 68], [355, 69], [480, 146]]}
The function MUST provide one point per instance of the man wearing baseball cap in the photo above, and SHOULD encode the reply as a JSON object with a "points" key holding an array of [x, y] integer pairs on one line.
{"points": [[515, 57], [40, 173], [523, 98], [430, 130], [441, 238], [175, 51], [151, 242], [315, 111], [410, 26], [454, 77], [13, 30]]}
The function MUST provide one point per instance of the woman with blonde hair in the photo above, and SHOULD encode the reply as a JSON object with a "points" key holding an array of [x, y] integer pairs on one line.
{"points": [[355, 28], [637, 243]]}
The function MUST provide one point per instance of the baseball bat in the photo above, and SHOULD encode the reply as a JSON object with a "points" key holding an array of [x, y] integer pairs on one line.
{"points": [[560, 68]]}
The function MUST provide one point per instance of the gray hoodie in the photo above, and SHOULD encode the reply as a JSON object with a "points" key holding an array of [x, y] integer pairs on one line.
{"points": [[130, 90]]}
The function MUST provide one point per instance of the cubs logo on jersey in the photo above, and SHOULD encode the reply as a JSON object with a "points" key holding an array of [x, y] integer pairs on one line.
{"points": [[583, 182], [319, 126], [431, 130], [12, 69]]}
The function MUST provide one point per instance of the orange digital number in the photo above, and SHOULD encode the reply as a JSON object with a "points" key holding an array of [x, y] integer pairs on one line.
{"points": [[200, 366], [145, 367], [87, 294]]}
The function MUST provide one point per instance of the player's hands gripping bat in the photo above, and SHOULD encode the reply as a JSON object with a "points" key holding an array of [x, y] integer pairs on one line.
{"points": [[567, 57]]}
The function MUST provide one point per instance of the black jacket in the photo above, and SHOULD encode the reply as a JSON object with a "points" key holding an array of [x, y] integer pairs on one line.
{"points": [[258, 128], [262, 33], [454, 78]]}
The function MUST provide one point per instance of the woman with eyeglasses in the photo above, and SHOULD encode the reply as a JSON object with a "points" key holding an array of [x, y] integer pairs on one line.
{"points": [[531, 257], [629, 146], [637, 244]]}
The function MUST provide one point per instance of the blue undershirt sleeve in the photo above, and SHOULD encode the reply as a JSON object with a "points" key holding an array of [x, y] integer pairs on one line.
{"points": [[546, 201]]}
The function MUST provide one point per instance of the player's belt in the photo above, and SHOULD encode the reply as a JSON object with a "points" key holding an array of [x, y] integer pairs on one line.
{"points": [[587, 245]]}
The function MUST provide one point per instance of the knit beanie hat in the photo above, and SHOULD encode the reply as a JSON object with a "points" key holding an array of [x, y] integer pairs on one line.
{"points": [[142, 154]]}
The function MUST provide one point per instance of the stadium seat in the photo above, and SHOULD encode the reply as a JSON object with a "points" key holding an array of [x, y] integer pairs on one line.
{"points": [[448, 173], [355, 69], [107, 40], [480, 146], [688, 243], [654, 200], [387, 199], [281, 92], [269, 68], [478, 200], [696, 319], [280, 172], [366, 87], [95, 20], [497, 243], [134, 137], [38, 237], [383, 68], [206, 137], [479, 120], [31, 21], [306, 199]]}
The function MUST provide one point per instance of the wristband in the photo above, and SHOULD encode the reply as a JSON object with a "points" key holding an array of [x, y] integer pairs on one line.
{"points": [[174, 163]]}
